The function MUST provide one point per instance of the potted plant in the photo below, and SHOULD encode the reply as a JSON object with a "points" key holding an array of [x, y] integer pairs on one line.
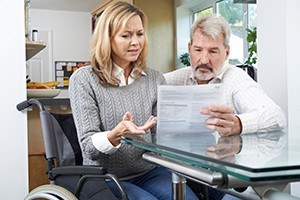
{"points": [[248, 66], [185, 59]]}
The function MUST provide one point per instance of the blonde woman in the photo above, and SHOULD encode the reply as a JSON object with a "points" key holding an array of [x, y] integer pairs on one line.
{"points": [[115, 95]]}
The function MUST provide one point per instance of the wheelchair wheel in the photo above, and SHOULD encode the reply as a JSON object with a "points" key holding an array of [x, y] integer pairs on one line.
{"points": [[50, 192]]}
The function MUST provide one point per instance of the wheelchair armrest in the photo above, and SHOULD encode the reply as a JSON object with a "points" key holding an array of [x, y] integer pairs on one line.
{"points": [[78, 170], [110, 177], [88, 173]]}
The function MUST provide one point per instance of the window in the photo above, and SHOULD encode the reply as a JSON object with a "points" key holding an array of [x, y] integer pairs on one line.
{"points": [[203, 12], [240, 17], [234, 14], [251, 16]]}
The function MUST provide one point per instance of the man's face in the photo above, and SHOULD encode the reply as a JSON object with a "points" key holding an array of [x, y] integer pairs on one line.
{"points": [[207, 55]]}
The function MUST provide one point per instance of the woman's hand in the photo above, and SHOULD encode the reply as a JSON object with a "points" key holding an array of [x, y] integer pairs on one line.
{"points": [[131, 128], [223, 119], [126, 126]]}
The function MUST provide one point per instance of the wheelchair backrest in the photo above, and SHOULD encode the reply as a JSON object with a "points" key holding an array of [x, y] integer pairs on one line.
{"points": [[60, 138]]}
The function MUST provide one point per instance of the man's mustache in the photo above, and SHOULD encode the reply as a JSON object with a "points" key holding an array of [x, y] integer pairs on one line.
{"points": [[204, 66]]}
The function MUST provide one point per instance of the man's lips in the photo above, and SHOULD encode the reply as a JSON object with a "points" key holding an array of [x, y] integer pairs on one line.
{"points": [[203, 68]]}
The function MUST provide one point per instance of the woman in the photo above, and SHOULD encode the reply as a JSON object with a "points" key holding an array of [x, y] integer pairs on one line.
{"points": [[117, 94]]}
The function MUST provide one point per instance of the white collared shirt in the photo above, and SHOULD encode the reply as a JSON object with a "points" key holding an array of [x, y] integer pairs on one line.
{"points": [[100, 139]]}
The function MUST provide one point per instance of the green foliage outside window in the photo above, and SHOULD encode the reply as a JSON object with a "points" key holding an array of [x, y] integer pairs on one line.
{"points": [[203, 12], [232, 12], [252, 49]]}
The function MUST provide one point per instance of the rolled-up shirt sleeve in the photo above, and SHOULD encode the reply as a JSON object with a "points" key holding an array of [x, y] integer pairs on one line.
{"points": [[102, 144]]}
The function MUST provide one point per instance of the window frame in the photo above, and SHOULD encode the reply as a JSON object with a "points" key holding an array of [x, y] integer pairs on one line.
{"points": [[213, 3]]}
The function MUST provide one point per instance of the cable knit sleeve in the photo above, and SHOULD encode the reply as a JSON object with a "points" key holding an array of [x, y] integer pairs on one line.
{"points": [[85, 111]]}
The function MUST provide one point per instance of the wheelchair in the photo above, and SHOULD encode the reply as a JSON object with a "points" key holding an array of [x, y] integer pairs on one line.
{"points": [[68, 178]]}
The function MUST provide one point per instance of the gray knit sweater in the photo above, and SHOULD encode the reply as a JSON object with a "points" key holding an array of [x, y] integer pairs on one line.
{"points": [[96, 108]]}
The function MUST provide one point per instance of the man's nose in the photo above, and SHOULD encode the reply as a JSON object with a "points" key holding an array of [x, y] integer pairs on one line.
{"points": [[204, 58]]}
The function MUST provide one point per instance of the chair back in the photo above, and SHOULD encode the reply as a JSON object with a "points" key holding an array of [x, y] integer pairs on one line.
{"points": [[250, 70], [67, 125], [60, 138]]}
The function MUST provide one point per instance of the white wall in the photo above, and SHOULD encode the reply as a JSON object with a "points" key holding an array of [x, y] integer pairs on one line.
{"points": [[13, 124], [293, 65], [71, 34], [272, 49], [278, 59], [293, 71]]}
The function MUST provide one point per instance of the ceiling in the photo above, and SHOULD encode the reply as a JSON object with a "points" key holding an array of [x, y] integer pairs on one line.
{"points": [[68, 5]]}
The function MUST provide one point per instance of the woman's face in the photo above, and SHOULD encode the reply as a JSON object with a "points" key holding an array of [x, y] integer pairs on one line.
{"points": [[128, 43]]}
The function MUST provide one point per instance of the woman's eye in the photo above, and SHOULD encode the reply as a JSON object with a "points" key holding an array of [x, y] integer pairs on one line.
{"points": [[140, 34], [125, 36]]}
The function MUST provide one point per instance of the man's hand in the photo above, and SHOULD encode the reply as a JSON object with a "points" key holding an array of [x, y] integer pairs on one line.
{"points": [[223, 120], [226, 149]]}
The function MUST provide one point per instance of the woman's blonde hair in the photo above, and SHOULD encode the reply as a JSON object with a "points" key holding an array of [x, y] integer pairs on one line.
{"points": [[113, 19]]}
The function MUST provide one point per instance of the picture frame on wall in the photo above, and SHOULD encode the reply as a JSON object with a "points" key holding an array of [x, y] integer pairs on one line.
{"points": [[64, 70]]}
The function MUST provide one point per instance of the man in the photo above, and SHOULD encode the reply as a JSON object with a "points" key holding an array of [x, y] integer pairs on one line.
{"points": [[244, 107]]}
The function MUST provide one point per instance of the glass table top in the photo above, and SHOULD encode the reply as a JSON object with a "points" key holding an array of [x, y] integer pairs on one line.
{"points": [[252, 157]]}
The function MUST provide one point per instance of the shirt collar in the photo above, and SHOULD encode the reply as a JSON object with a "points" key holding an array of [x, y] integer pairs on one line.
{"points": [[119, 74], [118, 71]]}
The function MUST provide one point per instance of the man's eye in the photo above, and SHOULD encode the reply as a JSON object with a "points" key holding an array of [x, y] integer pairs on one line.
{"points": [[199, 50]]}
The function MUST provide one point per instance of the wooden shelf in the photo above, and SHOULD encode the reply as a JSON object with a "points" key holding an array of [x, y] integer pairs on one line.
{"points": [[33, 47]]}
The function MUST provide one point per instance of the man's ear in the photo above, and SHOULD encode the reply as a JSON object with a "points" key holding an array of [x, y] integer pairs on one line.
{"points": [[227, 51], [189, 47]]}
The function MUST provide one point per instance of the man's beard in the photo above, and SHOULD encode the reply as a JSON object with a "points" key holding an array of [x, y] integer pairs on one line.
{"points": [[206, 76]]}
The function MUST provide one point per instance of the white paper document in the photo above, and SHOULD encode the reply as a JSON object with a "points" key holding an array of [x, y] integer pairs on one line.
{"points": [[178, 107]]}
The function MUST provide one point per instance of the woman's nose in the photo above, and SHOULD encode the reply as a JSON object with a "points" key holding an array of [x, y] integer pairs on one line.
{"points": [[134, 40]]}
